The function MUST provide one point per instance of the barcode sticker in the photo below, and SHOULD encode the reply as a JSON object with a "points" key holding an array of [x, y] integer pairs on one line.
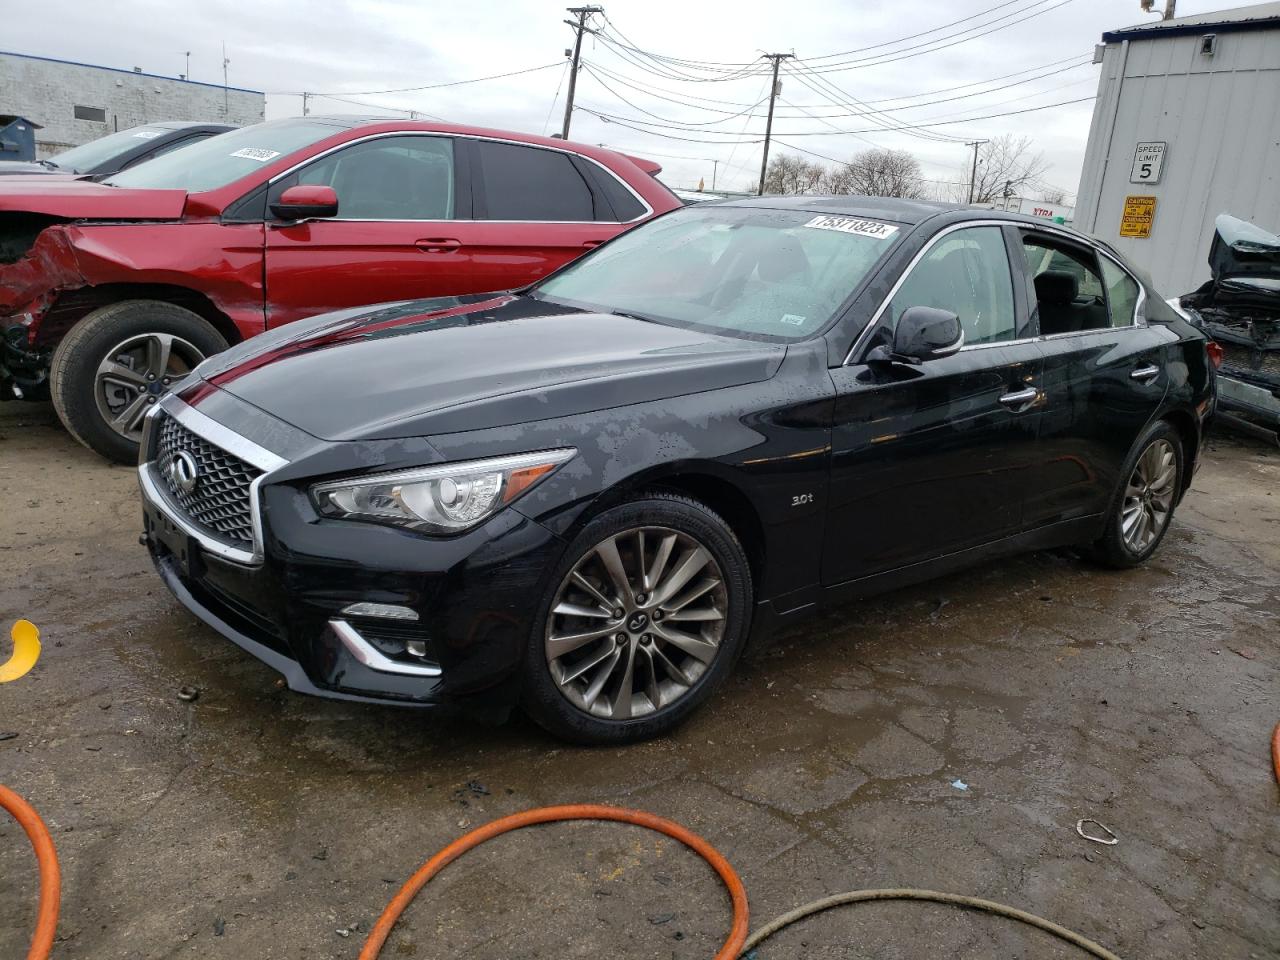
{"points": [[256, 153], [863, 228]]}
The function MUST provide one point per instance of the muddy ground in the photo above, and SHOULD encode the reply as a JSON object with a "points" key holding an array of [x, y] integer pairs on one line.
{"points": [[256, 823]]}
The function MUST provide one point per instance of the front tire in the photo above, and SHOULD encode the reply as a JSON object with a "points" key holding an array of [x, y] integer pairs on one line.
{"points": [[117, 363], [1142, 508], [645, 616]]}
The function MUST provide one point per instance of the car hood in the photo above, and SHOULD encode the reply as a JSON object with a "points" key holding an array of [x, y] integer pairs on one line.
{"points": [[451, 364], [61, 196], [27, 168], [1244, 251]]}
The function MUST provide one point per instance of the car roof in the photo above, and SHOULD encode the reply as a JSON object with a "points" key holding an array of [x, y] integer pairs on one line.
{"points": [[893, 208], [189, 124]]}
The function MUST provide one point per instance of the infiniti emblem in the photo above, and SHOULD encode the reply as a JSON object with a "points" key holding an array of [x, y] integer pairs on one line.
{"points": [[638, 622], [184, 472]]}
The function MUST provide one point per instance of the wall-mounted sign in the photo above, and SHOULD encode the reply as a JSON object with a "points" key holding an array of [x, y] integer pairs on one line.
{"points": [[1139, 213], [1147, 161]]}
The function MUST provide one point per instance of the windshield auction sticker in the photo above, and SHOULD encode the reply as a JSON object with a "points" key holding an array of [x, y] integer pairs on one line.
{"points": [[863, 228], [256, 153]]}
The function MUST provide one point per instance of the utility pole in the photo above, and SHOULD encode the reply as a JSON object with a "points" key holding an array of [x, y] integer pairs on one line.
{"points": [[777, 59], [187, 75], [305, 97], [579, 28], [973, 176], [225, 106], [715, 165]]}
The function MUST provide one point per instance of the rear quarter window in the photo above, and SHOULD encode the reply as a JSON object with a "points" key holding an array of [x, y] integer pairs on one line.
{"points": [[531, 183]]}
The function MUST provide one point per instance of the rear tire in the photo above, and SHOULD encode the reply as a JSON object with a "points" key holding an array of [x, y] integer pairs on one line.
{"points": [[655, 657], [1142, 507], [113, 365]]}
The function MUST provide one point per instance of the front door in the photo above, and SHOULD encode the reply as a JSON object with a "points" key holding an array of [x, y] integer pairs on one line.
{"points": [[932, 459], [395, 236]]}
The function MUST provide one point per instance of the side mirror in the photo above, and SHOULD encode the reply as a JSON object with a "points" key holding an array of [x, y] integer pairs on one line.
{"points": [[306, 202], [923, 333]]}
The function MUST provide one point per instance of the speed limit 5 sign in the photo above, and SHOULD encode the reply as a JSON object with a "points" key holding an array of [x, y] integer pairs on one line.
{"points": [[1147, 161]]}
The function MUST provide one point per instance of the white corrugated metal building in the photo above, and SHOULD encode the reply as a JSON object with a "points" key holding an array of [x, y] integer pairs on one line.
{"points": [[1188, 113]]}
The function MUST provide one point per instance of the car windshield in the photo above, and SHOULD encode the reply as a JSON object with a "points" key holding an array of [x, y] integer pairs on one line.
{"points": [[750, 272], [217, 161], [95, 152]]}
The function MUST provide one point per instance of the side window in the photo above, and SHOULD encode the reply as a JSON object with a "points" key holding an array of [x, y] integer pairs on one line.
{"points": [[966, 272], [1122, 294], [625, 205], [1068, 287], [391, 178], [530, 183]]}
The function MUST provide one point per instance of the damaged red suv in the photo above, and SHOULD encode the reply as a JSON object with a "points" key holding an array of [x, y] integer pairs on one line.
{"points": [[111, 292]]}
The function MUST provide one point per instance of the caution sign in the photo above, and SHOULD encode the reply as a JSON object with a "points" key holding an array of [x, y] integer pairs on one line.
{"points": [[1139, 212]]}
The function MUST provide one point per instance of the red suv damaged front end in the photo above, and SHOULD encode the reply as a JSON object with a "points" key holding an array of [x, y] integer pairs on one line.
{"points": [[111, 292]]}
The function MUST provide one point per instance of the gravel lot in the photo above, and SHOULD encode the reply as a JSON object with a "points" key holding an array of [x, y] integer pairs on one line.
{"points": [[259, 823]]}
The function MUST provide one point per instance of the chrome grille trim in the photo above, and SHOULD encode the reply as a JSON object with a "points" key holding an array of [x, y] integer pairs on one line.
{"points": [[156, 487], [220, 500]]}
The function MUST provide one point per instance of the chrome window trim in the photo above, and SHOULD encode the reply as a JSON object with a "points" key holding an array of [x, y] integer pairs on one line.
{"points": [[234, 444], [648, 208], [1139, 317]]}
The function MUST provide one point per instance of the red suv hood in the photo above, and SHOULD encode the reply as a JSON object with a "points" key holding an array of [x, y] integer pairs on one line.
{"points": [[81, 200]]}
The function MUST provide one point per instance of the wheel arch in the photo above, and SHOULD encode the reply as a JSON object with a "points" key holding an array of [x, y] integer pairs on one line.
{"points": [[1188, 431], [709, 484], [72, 306]]}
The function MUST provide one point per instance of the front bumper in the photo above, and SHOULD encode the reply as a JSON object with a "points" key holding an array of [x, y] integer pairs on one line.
{"points": [[286, 600]]}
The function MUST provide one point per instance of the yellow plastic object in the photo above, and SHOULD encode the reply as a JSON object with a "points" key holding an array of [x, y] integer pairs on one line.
{"points": [[26, 651]]}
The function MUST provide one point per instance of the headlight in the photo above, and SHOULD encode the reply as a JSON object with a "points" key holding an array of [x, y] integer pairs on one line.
{"points": [[447, 498]]}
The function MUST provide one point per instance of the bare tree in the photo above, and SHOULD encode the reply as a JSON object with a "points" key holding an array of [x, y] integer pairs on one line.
{"points": [[1053, 195], [790, 176], [878, 173], [1006, 165]]}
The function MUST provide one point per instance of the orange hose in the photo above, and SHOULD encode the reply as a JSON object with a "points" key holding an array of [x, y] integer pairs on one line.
{"points": [[1275, 752], [737, 934], [50, 875]]}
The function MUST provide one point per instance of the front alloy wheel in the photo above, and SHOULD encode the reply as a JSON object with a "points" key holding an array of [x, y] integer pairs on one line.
{"points": [[636, 623], [644, 616]]}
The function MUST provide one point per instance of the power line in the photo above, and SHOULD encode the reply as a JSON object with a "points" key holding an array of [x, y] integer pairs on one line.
{"points": [[622, 121], [429, 86], [688, 123], [379, 106], [552, 109], [926, 48]]}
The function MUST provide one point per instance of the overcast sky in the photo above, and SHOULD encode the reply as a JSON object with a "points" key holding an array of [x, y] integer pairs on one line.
{"points": [[350, 48]]}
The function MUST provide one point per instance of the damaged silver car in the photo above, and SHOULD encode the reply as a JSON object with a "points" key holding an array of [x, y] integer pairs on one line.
{"points": [[1240, 310]]}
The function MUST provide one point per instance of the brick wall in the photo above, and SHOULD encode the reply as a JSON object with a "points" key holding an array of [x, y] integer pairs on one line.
{"points": [[48, 91]]}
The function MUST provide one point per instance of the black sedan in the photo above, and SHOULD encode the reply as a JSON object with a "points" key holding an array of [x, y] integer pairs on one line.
{"points": [[586, 497], [108, 155]]}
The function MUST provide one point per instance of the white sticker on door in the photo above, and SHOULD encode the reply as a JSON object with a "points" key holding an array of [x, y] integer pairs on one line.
{"points": [[863, 228], [256, 153]]}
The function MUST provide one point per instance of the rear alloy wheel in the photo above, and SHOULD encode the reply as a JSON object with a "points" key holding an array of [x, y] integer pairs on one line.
{"points": [[117, 362], [1143, 506], [648, 615]]}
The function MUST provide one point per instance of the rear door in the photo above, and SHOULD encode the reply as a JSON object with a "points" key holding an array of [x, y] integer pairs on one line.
{"points": [[396, 236], [931, 459], [1104, 376], [538, 208]]}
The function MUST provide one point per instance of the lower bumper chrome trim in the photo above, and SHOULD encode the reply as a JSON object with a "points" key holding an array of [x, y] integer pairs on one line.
{"points": [[372, 658]]}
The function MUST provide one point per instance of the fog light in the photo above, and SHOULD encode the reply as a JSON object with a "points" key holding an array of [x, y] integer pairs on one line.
{"points": [[416, 648], [388, 611]]}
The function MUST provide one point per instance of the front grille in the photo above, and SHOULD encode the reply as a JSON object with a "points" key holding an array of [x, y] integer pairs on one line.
{"points": [[219, 501], [1251, 360]]}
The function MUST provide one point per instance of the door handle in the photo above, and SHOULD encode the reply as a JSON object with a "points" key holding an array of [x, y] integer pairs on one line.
{"points": [[438, 244], [1019, 400], [592, 243], [1145, 374]]}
